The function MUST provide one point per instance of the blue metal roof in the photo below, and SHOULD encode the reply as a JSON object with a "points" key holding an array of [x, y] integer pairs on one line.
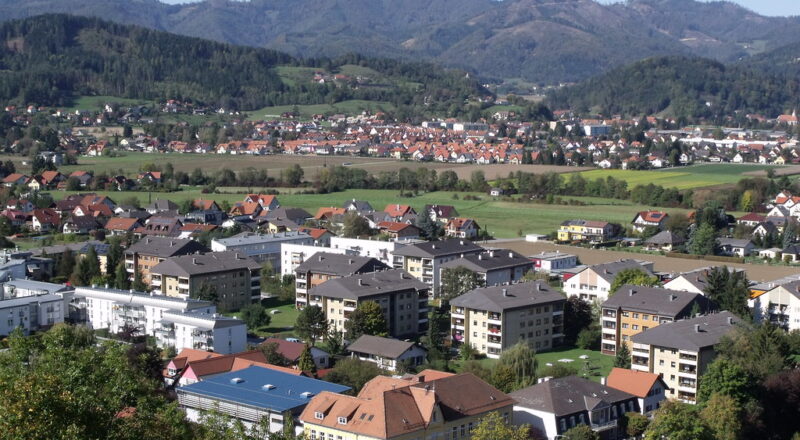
{"points": [[262, 388]]}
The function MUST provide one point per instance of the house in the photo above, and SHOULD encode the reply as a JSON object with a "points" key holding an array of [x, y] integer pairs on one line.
{"points": [[681, 351], [750, 219], [235, 278], [585, 230], [593, 282], [205, 205], [424, 260], [262, 248], [494, 267], [291, 351], [324, 266], [650, 389], [295, 215], [45, 220], [198, 370], [693, 281], [644, 219], [159, 205], [429, 405], [496, 192], [148, 252], [553, 261], [555, 406], [158, 226], [735, 247], [79, 225], [791, 253], [50, 179], [441, 213], [634, 309], [254, 395], [149, 177], [122, 225], [245, 210], [665, 241], [397, 211], [176, 366], [18, 288], [359, 206], [193, 230], [458, 227], [398, 230], [84, 177], [492, 319], [265, 201], [387, 353], [404, 300], [779, 305], [16, 179]]}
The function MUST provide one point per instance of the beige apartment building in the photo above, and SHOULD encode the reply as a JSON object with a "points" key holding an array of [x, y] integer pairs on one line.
{"points": [[424, 260], [324, 266], [234, 277], [681, 351], [148, 252], [492, 319]]}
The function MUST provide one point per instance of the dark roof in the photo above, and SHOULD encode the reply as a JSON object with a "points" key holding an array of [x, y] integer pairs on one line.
{"points": [[340, 265], [358, 205], [690, 334], [568, 395], [665, 237], [162, 205], [99, 248], [608, 271], [655, 300], [490, 260], [500, 298], [198, 264], [432, 249], [165, 247], [297, 215], [369, 284], [384, 347]]}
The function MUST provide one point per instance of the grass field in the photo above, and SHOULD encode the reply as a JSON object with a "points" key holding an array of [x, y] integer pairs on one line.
{"points": [[97, 102], [281, 323], [695, 176], [597, 365], [350, 108]]}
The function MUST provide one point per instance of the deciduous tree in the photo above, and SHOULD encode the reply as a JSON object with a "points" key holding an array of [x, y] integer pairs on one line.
{"points": [[367, 319], [311, 324]]}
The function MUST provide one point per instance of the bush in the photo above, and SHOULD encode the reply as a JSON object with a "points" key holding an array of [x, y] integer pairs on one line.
{"points": [[589, 338]]}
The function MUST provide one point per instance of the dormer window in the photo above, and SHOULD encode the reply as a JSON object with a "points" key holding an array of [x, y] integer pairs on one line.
{"points": [[342, 420], [318, 415]]}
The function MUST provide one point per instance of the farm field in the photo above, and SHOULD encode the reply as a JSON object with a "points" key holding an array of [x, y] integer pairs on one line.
{"points": [[695, 176], [350, 108], [92, 103]]}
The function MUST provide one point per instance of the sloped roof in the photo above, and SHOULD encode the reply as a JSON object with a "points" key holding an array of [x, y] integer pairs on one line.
{"points": [[340, 265], [638, 383], [500, 298], [384, 347], [683, 335], [568, 395], [368, 284], [211, 262]]}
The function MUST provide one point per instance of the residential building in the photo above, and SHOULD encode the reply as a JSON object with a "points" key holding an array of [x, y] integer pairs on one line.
{"points": [[187, 372], [403, 299], [494, 267], [665, 241], [160, 226], [172, 373], [594, 282], [492, 319], [681, 351], [634, 309], [424, 260], [430, 405], [382, 250], [19, 288], [254, 395], [160, 206], [387, 353], [735, 247], [585, 230], [462, 228], [293, 255], [202, 331], [235, 278], [31, 313], [323, 266], [359, 206], [558, 405], [148, 252], [652, 219], [441, 213], [291, 351], [649, 388], [553, 261], [693, 281], [262, 248], [779, 305], [266, 201], [398, 230]]}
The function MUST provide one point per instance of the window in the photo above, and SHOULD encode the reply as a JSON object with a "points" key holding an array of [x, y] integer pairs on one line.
{"points": [[636, 315], [635, 326], [318, 415], [624, 325], [342, 420]]}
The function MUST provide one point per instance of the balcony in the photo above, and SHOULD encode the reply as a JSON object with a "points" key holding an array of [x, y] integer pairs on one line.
{"points": [[687, 357], [609, 337], [494, 329], [603, 425], [686, 368]]}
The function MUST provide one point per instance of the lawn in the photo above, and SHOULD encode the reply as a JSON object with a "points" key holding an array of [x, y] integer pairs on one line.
{"points": [[597, 365], [281, 323], [695, 176], [350, 108], [97, 102]]}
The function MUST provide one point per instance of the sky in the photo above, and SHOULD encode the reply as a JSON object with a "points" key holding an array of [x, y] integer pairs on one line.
{"points": [[764, 7]]}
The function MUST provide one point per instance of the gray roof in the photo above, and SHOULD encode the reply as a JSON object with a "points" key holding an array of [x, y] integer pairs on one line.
{"points": [[209, 320], [162, 205], [551, 255], [500, 298], [37, 285], [734, 242], [699, 277], [775, 283], [568, 395], [297, 215], [61, 248], [165, 247], [17, 302], [665, 237], [384, 347], [608, 271], [248, 238], [338, 264], [656, 300], [369, 284], [684, 335], [490, 260], [199, 264], [432, 249], [358, 205]]}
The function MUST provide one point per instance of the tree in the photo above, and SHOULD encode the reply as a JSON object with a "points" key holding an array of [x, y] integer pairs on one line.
{"points": [[92, 262], [355, 226], [254, 316], [427, 226], [729, 290], [678, 421], [727, 378], [577, 317], [271, 351], [581, 432], [493, 427], [760, 351], [293, 176], [114, 256], [623, 357], [138, 284], [636, 424], [334, 342], [306, 361], [353, 373], [723, 415], [206, 292], [311, 324], [457, 281], [781, 401], [121, 280], [589, 338], [477, 181], [503, 378], [66, 265], [703, 240], [521, 359], [634, 277], [73, 184], [367, 319]]}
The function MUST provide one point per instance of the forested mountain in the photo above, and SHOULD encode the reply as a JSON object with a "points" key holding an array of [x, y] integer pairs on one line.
{"points": [[47, 60], [538, 40], [691, 88]]}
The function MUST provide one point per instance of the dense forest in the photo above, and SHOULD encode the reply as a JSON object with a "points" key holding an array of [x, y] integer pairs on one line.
{"points": [[684, 87], [50, 59]]}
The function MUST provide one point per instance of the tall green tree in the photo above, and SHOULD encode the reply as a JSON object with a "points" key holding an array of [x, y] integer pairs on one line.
{"points": [[634, 277], [254, 316], [703, 240], [722, 413], [355, 226], [66, 265], [457, 281], [354, 373], [727, 378], [306, 361], [121, 277], [311, 324], [729, 290], [521, 359], [114, 255], [206, 292], [678, 421], [367, 319], [623, 356], [581, 432], [578, 316], [430, 229]]}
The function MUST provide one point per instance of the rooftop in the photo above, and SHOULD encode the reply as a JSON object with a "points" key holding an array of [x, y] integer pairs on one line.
{"points": [[490, 260], [690, 334], [656, 300], [369, 284], [248, 238], [567, 395], [500, 298], [199, 264], [165, 247], [338, 264], [384, 347], [433, 249]]}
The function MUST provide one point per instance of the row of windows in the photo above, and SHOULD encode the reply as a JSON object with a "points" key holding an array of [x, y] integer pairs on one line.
{"points": [[645, 316]]}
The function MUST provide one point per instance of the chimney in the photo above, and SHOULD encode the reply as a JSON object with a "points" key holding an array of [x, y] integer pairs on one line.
{"points": [[538, 287], [491, 254], [194, 261], [421, 378], [171, 244], [602, 381], [360, 282], [350, 261], [672, 297], [697, 328], [461, 242], [480, 257], [631, 292], [730, 320], [505, 292], [320, 257], [510, 255]]}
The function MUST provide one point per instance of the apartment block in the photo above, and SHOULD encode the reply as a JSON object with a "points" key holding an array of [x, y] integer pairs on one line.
{"points": [[594, 282], [424, 260], [146, 253], [553, 261], [403, 299], [495, 267], [634, 309], [585, 230], [681, 351], [323, 266], [492, 319], [235, 278], [31, 313], [261, 247], [201, 331]]}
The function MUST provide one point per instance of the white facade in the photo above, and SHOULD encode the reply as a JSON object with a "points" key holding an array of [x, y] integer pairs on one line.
{"points": [[293, 255], [23, 288], [683, 284], [261, 247], [588, 285], [202, 331], [544, 421], [380, 250], [30, 313], [781, 306], [550, 261], [415, 354]]}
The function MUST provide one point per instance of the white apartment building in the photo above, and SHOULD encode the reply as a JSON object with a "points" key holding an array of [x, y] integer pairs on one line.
{"points": [[261, 247], [779, 305], [201, 331], [293, 255], [553, 261], [594, 282], [30, 313]]}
